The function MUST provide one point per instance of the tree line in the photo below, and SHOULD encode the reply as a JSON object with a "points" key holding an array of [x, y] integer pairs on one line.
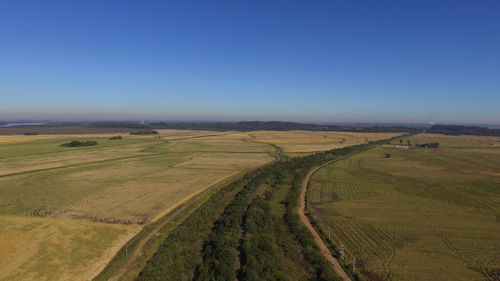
{"points": [[463, 130], [253, 126], [144, 132]]}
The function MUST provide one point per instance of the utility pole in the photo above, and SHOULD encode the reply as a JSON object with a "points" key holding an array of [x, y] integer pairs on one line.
{"points": [[342, 253]]}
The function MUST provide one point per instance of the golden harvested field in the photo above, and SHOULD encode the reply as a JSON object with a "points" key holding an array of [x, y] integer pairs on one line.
{"points": [[57, 249], [55, 201], [422, 214], [301, 143]]}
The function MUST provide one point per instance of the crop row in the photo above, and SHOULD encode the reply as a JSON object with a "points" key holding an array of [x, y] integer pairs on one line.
{"points": [[335, 190]]}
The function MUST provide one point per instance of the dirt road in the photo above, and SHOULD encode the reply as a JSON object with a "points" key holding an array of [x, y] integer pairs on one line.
{"points": [[322, 246]]}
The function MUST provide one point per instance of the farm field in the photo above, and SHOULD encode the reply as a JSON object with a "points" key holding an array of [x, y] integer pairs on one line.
{"points": [[55, 201], [57, 249], [302, 143], [416, 214]]}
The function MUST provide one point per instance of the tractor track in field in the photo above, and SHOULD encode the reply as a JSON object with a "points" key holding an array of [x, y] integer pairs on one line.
{"points": [[319, 242], [80, 164]]}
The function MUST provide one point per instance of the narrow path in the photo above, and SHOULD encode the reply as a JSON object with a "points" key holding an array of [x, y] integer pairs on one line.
{"points": [[321, 244]]}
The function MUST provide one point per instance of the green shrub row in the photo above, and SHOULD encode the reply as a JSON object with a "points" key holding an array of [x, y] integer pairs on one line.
{"points": [[79, 143], [179, 254], [261, 256], [220, 250], [144, 132]]}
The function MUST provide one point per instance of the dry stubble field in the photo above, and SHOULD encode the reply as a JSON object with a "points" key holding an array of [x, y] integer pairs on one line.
{"points": [[64, 212]]}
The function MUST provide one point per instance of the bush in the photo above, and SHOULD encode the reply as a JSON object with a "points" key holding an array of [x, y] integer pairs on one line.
{"points": [[79, 143], [144, 132], [115, 138], [429, 145]]}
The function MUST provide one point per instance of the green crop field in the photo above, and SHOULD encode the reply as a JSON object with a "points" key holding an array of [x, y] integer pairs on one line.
{"points": [[420, 214]]}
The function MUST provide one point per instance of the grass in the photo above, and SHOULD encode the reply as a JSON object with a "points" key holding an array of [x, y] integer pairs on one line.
{"points": [[422, 214], [127, 181]]}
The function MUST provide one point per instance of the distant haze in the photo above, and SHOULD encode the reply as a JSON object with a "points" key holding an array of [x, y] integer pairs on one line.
{"points": [[309, 61]]}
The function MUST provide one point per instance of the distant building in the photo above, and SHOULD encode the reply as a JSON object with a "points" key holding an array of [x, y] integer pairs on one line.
{"points": [[402, 146]]}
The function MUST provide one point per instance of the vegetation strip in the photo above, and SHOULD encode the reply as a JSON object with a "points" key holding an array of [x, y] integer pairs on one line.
{"points": [[220, 254]]}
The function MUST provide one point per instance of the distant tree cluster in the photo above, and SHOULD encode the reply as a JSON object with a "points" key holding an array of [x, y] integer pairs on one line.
{"points": [[276, 126], [31, 133], [463, 130], [429, 145], [79, 143], [115, 138], [423, 145], [144, 132]]}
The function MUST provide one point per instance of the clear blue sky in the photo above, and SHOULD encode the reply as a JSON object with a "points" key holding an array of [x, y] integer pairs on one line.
{"points": [[402, 60]]}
